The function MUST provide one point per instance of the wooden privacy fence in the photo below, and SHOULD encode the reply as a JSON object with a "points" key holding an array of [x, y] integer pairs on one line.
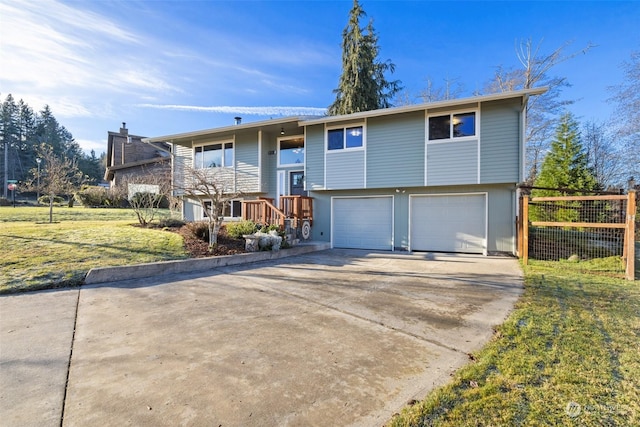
{"points": [[579, 228]]}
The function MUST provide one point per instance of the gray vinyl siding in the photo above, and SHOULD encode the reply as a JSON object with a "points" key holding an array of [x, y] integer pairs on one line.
{"points": [[247, 175], [314, 157], [191, 210], [452, 163], [345, 169], [395, 150], [183, 160], [500, 144], [269, 164]]}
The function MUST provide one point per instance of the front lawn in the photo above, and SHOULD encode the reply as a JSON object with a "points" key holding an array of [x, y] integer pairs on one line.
{"points": [[35, 254], [568, 355]]}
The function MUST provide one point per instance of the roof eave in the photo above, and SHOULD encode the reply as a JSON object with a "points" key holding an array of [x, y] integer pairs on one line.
{"points": [[525, 93], [222, 130]]}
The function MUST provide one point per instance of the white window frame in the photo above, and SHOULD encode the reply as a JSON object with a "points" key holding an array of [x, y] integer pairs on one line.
{"points": [[286, 138], [222, 143], [344, 140], [451, 137]]}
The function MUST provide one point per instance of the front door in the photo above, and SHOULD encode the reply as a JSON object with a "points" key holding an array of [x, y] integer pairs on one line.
{"points": [[296, 184]]}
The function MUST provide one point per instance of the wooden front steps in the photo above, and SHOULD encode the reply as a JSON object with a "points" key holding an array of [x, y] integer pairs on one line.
{"points": [[294, 208]]}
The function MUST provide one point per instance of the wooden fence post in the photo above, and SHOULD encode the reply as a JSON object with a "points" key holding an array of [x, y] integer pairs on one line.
{"points": [[525, 230], [630, 235]]}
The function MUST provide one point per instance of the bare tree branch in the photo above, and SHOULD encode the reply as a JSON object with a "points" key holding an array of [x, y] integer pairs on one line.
{"points": [[213, 191]]}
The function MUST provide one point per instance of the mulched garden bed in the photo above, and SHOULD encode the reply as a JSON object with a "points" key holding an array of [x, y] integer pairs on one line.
{"points": [[199, 248]]}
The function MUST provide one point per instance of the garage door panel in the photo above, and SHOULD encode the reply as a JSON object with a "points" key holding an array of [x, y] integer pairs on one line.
{"points": [[363, 223], [450, 223]]}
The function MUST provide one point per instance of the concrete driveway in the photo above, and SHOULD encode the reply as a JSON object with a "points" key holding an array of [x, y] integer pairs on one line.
{"points": [[337, 337]]}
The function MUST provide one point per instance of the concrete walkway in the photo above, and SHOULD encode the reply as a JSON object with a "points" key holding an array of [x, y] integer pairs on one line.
{"points": [[336, 337]]}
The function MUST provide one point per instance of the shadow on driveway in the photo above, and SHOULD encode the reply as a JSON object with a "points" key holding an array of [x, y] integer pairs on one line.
{"points": [[337, 337]]}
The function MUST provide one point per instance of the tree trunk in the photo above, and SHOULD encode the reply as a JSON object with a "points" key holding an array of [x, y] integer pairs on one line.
{"points": [[50, 209], [214, 229]]}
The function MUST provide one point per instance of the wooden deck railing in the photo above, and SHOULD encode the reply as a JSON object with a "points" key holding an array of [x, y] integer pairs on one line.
{"points": [[262, 210], [297, 207]]}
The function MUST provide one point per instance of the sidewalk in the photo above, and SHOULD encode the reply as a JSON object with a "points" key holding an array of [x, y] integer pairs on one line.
{"points": [[35, 343]]}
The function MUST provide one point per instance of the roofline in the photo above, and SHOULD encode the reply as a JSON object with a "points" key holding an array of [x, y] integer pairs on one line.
{"points": [[243, 126], [425, 106], [304, 121]]}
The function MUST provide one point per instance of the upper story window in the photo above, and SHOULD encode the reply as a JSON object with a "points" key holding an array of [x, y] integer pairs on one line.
{"points": [[455, 125], [213, 156], [291, 151], [345, 138]]}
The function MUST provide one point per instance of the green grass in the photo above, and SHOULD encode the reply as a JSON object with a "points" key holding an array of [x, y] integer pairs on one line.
{"points": [[36, 255], [573, 337]]}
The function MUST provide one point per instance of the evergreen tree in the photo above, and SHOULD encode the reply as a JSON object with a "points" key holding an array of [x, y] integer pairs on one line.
{"points": [[91, 166], [565, 167], [362, 85], [9, 131], [566, 164], [21, 134]]}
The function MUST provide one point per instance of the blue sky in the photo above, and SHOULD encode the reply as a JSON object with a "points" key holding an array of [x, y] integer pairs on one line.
{"points": [[166, 67]]}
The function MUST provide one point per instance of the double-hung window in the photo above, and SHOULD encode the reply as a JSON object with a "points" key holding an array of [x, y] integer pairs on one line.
{"points": [[451, 126], [345, 138], [213, 156]]}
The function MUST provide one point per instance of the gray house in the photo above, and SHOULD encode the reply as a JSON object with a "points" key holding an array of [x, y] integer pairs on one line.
{"points": [[439, 176]]}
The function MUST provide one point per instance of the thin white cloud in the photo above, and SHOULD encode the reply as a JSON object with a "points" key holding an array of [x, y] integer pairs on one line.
{"points": [[49, 48], [255, 111]]}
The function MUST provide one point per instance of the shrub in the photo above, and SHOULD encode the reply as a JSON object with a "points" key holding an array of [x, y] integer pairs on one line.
{"points": [[4, 202], [92, 196], [57, 200], [238, 229], [170, 223], [199, 229], [149, 200], [96, 196], [272, 227]]}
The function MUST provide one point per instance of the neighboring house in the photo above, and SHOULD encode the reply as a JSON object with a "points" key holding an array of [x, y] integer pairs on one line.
{"points": [[128, 157], [440, 176]]}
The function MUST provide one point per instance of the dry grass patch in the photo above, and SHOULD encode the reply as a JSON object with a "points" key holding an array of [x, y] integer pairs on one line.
{"points": [[36, 255]]}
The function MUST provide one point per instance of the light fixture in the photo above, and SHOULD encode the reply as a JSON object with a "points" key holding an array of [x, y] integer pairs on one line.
{"points": [[281, 131]]}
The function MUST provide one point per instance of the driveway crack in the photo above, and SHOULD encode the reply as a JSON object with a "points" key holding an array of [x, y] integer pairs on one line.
{"points": [[73, 339]]}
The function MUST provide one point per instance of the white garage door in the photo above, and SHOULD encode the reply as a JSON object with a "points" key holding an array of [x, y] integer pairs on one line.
{"points": [[362, 223], [449, 223]]}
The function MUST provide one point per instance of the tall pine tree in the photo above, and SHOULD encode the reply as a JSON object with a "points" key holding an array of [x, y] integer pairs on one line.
{"points": [[22, 132], [566, 164], [565, 167], [362, 85]]}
